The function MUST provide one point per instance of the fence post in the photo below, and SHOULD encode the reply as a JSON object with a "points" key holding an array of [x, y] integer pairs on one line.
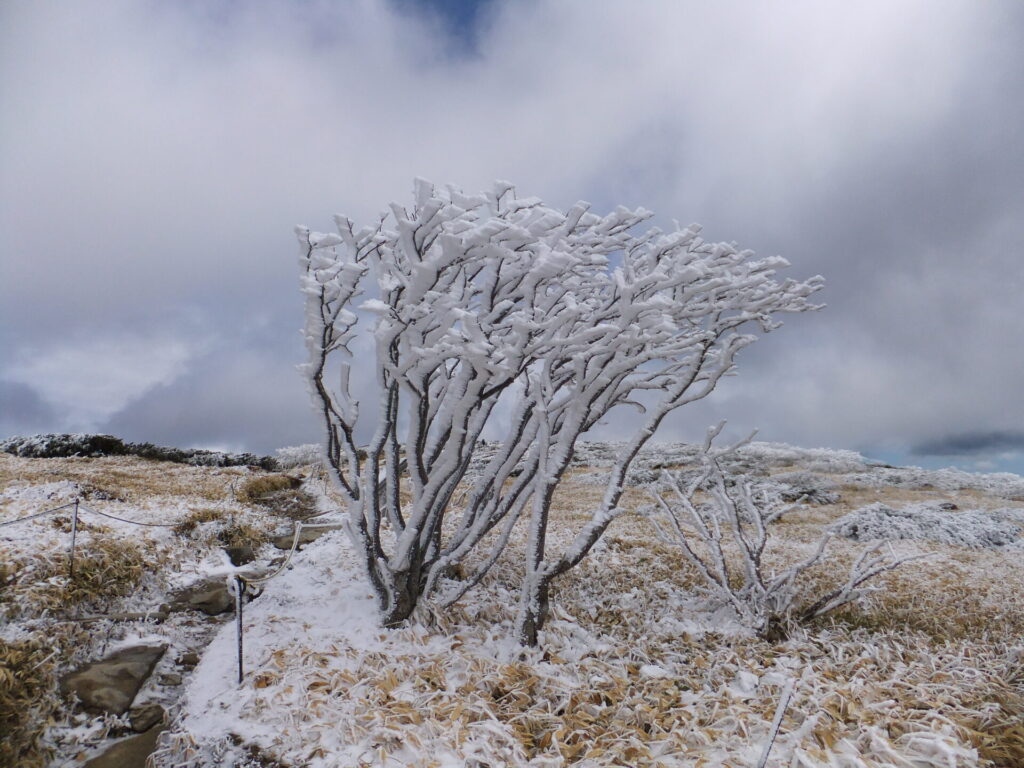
{"points": [[74, 533], [239, 591]]}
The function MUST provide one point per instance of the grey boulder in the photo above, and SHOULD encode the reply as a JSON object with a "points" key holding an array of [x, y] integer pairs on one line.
{"points": [[129, 753], [110, 685], [211, 596]]}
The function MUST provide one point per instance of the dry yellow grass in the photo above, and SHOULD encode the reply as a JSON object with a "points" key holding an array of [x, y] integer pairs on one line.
{"points": [[196, 517], [26, 677], [126, 478], [114, 566], [39, 585], [924, 659], [964, 601], [934, 646], [234, 528], [28, 693], [258, 488]]}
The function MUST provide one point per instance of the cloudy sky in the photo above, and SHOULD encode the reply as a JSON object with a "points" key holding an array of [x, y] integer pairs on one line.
{"points": [[154, 157]]}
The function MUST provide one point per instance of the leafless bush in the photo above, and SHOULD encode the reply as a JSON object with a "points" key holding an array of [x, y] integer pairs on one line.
{"points": [[721, 524]]}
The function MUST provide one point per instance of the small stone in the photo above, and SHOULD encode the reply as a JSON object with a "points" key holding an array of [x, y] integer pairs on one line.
{"points": [[240, 555], [306, 536], [170, 678], [188, 659], [949, 506], [145, 717], [111, 684]]}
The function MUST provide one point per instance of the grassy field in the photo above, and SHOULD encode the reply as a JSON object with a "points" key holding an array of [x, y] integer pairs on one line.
{"points": [[638, 666]]}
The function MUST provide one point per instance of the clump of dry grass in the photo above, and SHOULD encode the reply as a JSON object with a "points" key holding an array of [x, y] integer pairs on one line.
{"points": [[27, 682], [943, 599], [998, 735], [294, 504], [280, 494], [104, 569], [197, 517], [30, 701], [622, 717], [238, 534], [257, 488], [230, 530], [125, 478]]}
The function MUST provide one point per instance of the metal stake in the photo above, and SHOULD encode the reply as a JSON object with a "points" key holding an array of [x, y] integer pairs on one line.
{"points": [[239, 590], [74, 533]]}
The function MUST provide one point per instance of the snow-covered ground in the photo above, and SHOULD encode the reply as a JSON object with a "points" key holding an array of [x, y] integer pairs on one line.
{"points": [[637, 666], [130, 557]]}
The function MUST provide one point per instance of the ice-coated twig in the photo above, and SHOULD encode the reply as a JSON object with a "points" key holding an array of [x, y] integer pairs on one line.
{"points": [[780, 712]]}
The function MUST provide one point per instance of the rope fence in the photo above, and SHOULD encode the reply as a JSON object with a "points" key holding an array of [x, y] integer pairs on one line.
{"points": [[130, 522], [77, 503], [239, 583], [38, 514], [79, 507]]}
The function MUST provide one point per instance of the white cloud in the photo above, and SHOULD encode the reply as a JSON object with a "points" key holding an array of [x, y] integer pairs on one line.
{"points": [[90, 381], [157, 155]]}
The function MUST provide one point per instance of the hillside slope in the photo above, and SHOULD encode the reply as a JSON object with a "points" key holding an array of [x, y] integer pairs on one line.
{"points": [[639, 665]]}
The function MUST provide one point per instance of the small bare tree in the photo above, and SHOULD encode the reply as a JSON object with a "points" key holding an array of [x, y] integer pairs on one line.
{"points": [[736, 515], [492, 300]]}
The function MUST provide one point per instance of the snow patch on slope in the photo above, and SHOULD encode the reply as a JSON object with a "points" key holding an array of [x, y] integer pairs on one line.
{"points": [[973, 528]]}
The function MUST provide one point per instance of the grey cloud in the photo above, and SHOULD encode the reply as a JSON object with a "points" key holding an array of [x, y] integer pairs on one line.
{"points": [[21, 409], [235, 399], [971, 443], [159, 155]]}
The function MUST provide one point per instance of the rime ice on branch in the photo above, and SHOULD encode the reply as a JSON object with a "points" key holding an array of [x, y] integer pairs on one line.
{"points": [[738, 515], [472, 301]]}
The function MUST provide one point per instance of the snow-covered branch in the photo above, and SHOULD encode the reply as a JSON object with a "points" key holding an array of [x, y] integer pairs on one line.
{"points": [[468, 302], [721, 525]]}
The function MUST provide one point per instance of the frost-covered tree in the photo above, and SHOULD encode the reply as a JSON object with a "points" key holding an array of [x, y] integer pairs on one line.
{"points": [[721, 524], [474, 302]]}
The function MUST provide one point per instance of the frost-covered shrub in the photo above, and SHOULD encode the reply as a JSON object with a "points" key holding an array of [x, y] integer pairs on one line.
{"points": [[492, 304], [64, 445], [803, 479], [257, 488], [642, 476], [1003, 484], [807, 487], [638, 476], [725, 538], [591, 454], [974, 528], [293, 456], [199, 457], [823, 460], [95, 446]]}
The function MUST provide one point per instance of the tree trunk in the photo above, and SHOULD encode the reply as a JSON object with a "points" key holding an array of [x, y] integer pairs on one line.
{"points": [[532, 613], [406, 590]]}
